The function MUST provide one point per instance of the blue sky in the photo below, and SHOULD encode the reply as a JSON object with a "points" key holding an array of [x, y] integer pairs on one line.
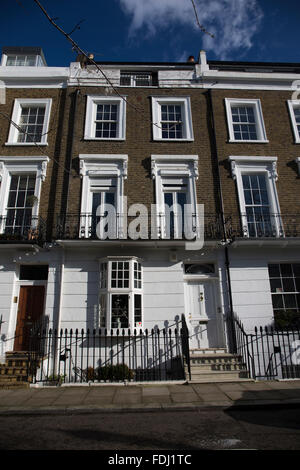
{"points": [[157, 30]]}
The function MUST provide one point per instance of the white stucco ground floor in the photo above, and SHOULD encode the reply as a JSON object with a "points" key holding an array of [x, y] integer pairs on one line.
{"points": [[77, 285]]}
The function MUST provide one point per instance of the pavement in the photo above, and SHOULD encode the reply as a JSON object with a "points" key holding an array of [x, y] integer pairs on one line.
{"points": [[150, 396]]}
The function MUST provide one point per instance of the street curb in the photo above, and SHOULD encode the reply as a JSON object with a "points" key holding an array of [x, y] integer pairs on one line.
{"points": [[289, 404]]}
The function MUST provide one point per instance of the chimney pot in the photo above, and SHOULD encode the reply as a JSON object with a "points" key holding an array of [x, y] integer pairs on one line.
{"points": [[191, 59]]}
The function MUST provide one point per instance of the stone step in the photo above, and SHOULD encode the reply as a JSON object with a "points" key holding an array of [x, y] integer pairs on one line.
{"points": [[13, 371], [206, 351], [13, 385], [198, 368], [16, 363], [219, 376], [220, 359], [215, 379], [12, 378]]}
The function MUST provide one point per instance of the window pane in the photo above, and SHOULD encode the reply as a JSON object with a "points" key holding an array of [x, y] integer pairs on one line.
{"points": [[137, 310], [286, 270], [274, 270], [276, 285], [119, 311]]}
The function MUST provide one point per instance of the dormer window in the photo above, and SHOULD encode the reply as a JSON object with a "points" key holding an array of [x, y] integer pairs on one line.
{"points": [[21, 60], [23, 57], [138, 79]]}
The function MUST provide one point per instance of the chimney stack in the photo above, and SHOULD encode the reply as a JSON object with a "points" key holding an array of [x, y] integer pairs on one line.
{"points": [[203, 62]]}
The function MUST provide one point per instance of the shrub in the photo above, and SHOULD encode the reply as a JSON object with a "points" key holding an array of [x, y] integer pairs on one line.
{"points": [[287, 319], [115, 372]]}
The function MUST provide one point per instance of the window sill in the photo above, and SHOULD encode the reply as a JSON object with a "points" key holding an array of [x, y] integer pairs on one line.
{"points": [[25, 144], [158, 139], [117, 139], [232, 141]]}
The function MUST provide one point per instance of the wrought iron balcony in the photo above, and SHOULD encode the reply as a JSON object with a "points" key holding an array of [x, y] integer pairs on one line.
{"points": [[22, 228], [267, 225], [88, 226]]}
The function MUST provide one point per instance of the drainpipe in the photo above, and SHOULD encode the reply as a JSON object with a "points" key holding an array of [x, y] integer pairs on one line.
{"points": [[65, 198], [229, 319], [67, 176]]}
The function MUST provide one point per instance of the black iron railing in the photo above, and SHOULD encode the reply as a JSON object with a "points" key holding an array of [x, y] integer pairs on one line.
{"points": [[31, 229], [268, 225], [269, 353], [158, 226], [68, 356]]}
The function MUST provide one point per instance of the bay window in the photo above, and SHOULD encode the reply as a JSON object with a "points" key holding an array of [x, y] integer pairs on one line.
{"points": [[120, 300]]}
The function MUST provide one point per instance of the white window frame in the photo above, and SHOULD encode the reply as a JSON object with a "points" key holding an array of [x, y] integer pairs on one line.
{"points": [[104, 166], [10, 166], [259, 120], [133, 76], [187, 125], [175, 166], [292, 104], [257, 165], [108, 291], [14, 132], [38, 60], [91, 109]]}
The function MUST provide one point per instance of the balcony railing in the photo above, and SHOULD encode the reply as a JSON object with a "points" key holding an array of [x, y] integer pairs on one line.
{"points": [[158, 227], [31, 229], [263, 226]]}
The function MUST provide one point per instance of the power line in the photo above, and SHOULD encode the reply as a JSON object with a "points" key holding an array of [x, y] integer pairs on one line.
{"points": [[198, 22], [77, 48], [32, 141]]}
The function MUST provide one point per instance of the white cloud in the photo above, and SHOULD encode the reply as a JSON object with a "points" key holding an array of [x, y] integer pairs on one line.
{"points": [[233, 22]]}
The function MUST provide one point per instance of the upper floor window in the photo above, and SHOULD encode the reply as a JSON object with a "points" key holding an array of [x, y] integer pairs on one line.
{"points": [[105, 118], [175, 190], [21, 181], [138, 79], [256, 185], [172, 118], [31, 117], [245, 120], [102, 214], [294, 108]]}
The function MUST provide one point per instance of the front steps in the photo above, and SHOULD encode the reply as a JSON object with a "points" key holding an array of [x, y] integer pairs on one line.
{"points": [[216, 365], [13, 373]]}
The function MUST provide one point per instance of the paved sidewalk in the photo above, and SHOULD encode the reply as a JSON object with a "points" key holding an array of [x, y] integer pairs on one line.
{"points": [[150, 396]]}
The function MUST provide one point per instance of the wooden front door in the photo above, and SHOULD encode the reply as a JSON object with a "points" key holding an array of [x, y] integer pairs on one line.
{"points": [[30, 310]]}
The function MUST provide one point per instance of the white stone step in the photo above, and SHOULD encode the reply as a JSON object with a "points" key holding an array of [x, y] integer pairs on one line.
{"points": [[199, 368], [219, 376], [205, 351]]}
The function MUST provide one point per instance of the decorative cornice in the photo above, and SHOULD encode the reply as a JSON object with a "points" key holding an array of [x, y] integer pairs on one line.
{"points": [[270, 162], [189, 160], [120, 163]]}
